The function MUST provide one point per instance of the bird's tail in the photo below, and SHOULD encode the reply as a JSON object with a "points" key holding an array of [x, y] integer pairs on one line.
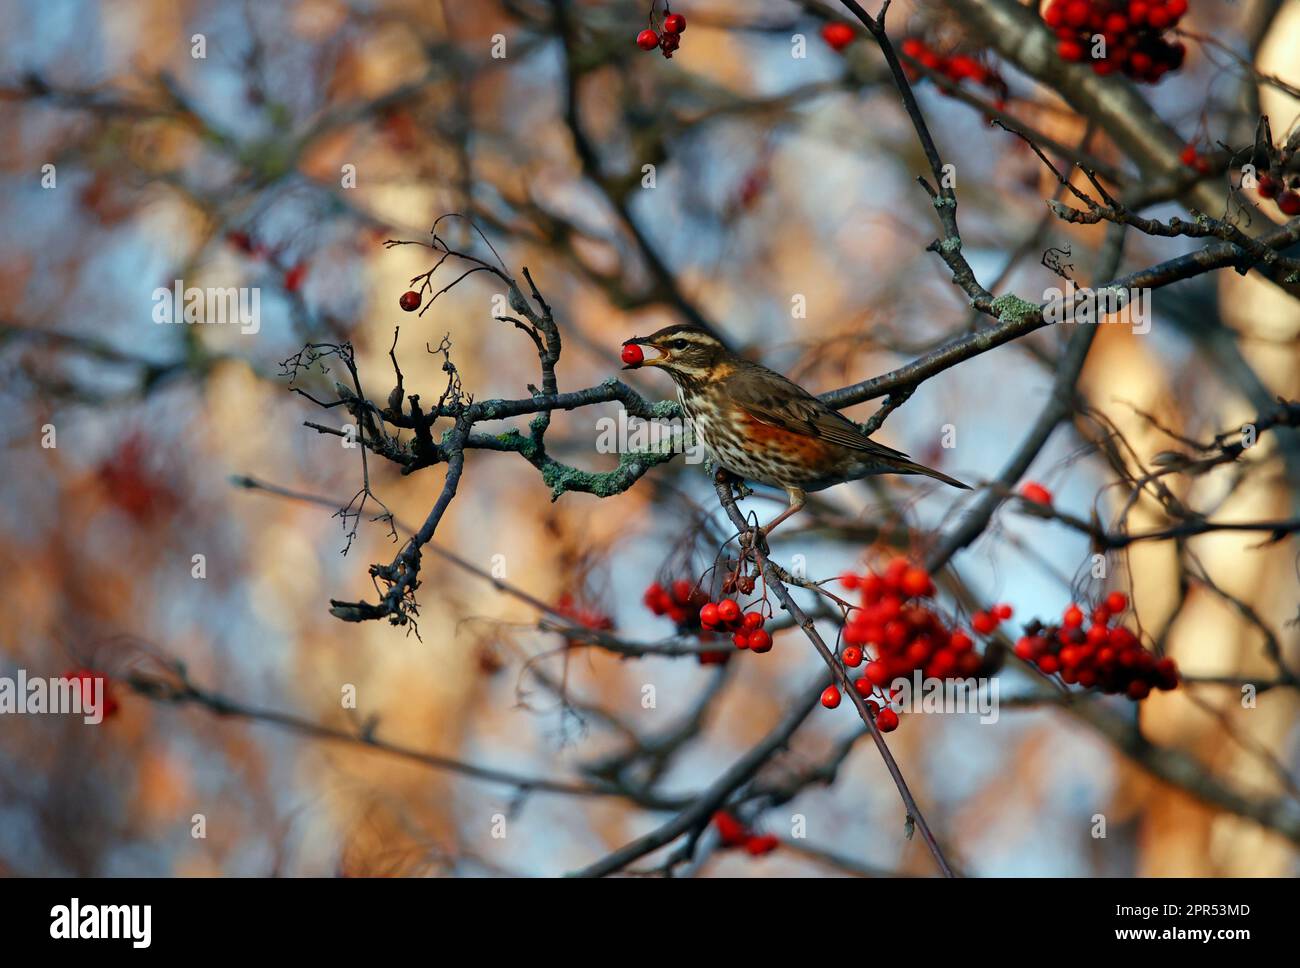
{"points": [[912, 467]]}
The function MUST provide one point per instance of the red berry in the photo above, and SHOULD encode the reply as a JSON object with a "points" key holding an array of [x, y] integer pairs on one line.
{"points": [[849, 580], [1269, 187], [1072, 618], [941, 666], [960, 642], [85, 680], [728, 611], [294, 276], [760, 641], [674, 23], [1002, 612], [1033, 491], [1116, 602], [759, 845], [877, 672], [863, 686], [740, 640], [709, 616], [1138, 690], [1116, 23], [913, 47], [983, 623], [410, 301], [887, 720], [631, 355], [1158, 18], [830, 697], [730, 830], [1054, 13], [753, 620], [1069, 50], [682, 591], [653, 598], [647, 39], [1137, 12], [916, 583], [1175, 8], [837, 35], [852, 656], [1289, 202], [1076, 13], [1189, 155], [1049, 664]]}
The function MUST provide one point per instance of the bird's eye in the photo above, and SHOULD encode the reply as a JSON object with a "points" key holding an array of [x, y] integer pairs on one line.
{"points": [[679, 344]]}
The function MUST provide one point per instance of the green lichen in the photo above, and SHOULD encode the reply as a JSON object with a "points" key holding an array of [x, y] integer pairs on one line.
{"points": [[666, 409], [518, 442], [951, 245], [561, 477], [1012, 309]]}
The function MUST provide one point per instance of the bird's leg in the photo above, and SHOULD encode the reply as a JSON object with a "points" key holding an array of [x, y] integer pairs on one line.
{"points": [[797, 501]]}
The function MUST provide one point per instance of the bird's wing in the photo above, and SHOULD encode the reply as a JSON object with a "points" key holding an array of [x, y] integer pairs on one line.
{"points": [[772, 399]]}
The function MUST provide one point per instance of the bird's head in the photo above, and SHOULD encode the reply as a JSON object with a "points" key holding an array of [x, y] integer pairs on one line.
{"points": [[688, 353]]}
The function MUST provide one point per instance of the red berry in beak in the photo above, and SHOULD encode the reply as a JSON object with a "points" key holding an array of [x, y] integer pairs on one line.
{"points": [[632, 355]]}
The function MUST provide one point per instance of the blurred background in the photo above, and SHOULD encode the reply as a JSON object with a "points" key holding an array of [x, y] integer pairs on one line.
{"points": [[780, 208]]}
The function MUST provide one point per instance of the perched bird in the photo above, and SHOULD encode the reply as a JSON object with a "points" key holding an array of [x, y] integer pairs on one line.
{"points": [[761, 426]]}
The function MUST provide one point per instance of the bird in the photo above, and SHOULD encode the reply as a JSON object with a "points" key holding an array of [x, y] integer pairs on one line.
{"points": [[763, 427]]}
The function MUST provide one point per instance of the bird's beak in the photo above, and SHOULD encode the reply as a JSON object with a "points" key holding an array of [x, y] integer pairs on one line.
{"points": [[649, 360]]}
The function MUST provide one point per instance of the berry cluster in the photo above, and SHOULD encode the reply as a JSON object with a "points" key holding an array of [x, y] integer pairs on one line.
{"points": [[85, 679], [906, 634], [584, 615], [955, 67], [1113, 35], [1194, 159], [1275, 187], [1101, 656], [746, 628], [682, 602], [670, 38], [733, 833]]}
